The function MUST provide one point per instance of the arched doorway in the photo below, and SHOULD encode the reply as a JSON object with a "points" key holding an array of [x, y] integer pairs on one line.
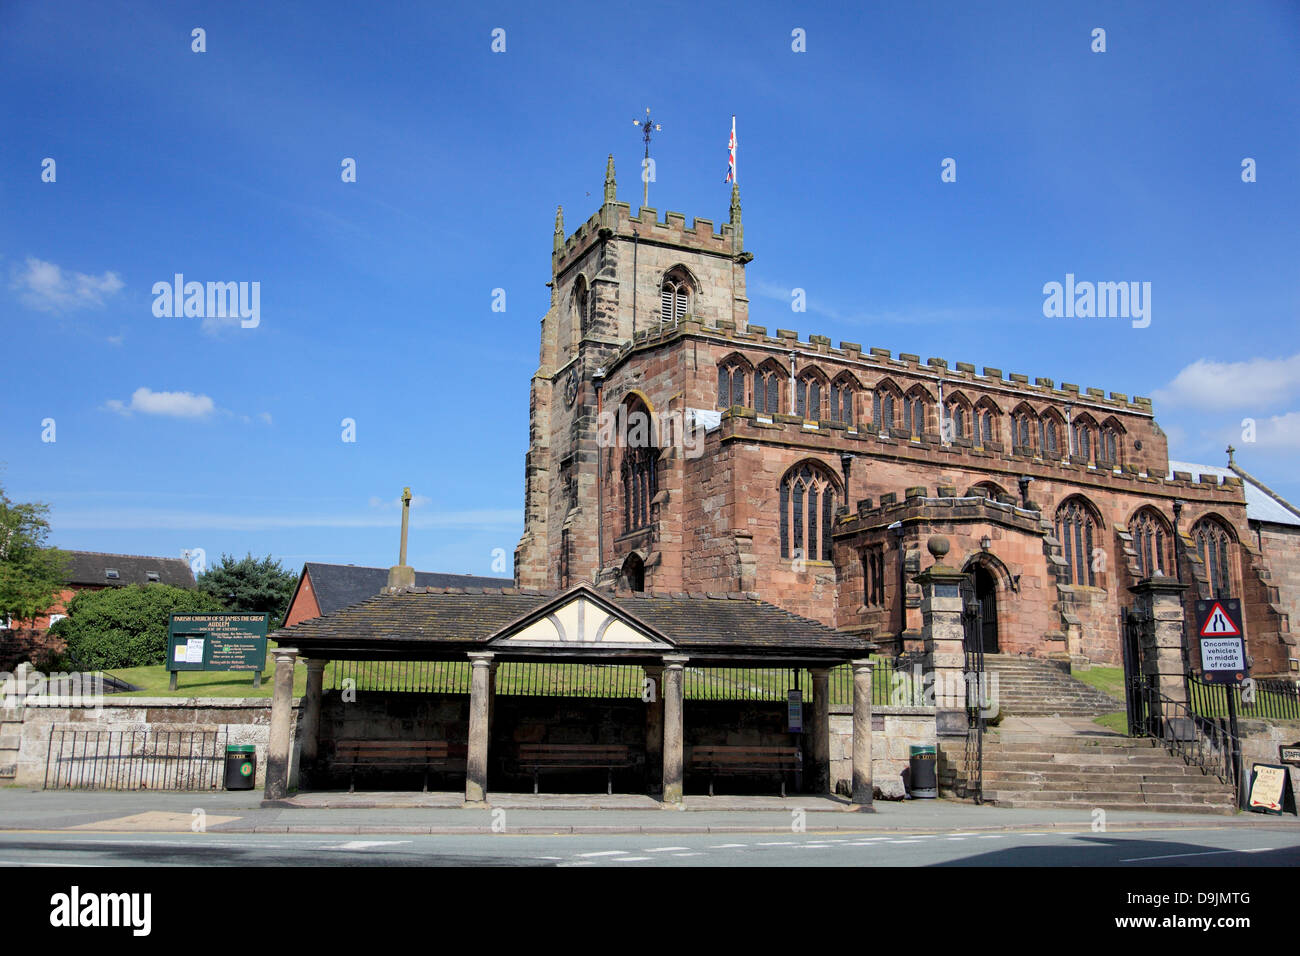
{"points": [[634, 572], [986, 592]]}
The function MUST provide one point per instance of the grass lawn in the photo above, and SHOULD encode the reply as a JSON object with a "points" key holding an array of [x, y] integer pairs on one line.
{"points": [[1108, 680]]}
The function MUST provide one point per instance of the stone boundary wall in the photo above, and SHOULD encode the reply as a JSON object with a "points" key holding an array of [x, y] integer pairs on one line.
{"points": [[894, 730], [1260, 740], [25, 732]]}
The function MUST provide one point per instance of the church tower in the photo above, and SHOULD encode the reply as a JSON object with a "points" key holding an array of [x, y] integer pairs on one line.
{"points": [[614, 281]]}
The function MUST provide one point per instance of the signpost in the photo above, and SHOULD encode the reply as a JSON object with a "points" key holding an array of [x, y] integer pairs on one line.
{"points": [[217, 642], [1223, 661]]}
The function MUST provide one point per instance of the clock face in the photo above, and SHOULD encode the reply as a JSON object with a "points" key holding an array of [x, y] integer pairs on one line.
{"points": [[571, 386]]}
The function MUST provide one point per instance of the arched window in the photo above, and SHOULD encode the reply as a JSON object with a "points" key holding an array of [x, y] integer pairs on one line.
{"points": [[1049, 437], [873, 577], [808, 396], [634, 572], [767, 387], [1076, 529], [986, 423], [1109, 445], [581, 306], [1153, 543], [959, 417], [731, 383], [884, 408], [1214, 546], [1024, 426], [1084, 430], [807, 510], [914, 410], [640, 465], [674, 297], [842, 393]]}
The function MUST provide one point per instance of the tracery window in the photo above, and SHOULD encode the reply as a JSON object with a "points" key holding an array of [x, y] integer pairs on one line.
{"points": [[808, 397], [1214, 546], [731, 384], [1076, 529], [807, 512], [767, 389], [914, 415], [1152, 542], [883, 410], [674, 298], [1049, 440], [842, 401]]}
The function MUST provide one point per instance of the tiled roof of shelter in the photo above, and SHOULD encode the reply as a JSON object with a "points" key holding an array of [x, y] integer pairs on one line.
{"points": [[467, 618]]}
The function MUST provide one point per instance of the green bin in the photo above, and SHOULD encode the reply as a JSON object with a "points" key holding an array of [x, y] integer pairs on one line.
{"points": [[241, 766], [924, 783]]}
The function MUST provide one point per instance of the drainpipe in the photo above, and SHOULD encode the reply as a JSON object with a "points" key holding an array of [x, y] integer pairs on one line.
{"points": [[598, 379]]}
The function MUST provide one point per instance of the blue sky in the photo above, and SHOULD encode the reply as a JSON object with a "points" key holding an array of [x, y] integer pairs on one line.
{"points": [[376, 296]]}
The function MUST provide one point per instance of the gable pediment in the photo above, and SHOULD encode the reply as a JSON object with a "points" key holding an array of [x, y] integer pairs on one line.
{"points": [[579, 619]]}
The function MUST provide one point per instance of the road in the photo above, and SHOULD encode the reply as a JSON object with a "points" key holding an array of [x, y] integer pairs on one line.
{"points": [[1199, 846]]}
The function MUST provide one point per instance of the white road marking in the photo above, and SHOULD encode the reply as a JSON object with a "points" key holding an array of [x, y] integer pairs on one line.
{"points": [[993, 836], [688, 854], [1174, 856], [779, 843], [630, 859], [365, 844], [727, 846], [604, 853], [666, 849]]}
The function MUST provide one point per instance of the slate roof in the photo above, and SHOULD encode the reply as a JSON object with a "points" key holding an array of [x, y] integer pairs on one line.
{"points": [[456, 620], [337, 586], [1261, 503], [90, 568]]}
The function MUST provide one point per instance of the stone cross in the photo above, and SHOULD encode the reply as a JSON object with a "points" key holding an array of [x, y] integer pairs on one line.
{"points": [[406, 517]]}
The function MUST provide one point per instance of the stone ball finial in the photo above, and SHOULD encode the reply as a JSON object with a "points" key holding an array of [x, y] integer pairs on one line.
{"points": [[938, 547]]}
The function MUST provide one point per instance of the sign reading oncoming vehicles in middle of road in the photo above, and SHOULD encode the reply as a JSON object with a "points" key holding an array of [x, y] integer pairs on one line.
{"points": [[1222, 640]]}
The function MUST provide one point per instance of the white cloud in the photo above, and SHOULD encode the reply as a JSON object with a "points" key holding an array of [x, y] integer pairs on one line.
{"points": [[152, 519], [417, 501], [1278, 432], [49, 288], [1254, 383], [265, 416], [170, 404]]}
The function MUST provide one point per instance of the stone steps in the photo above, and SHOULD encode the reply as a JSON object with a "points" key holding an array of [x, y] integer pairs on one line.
{"points": [[1102, 771], [1028, 687]]}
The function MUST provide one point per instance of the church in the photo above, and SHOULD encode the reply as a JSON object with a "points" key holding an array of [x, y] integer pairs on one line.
{"points": [[811, 474]]}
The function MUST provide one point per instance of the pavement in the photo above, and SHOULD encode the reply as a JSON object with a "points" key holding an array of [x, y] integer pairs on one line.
{"points": [[414, 813]]}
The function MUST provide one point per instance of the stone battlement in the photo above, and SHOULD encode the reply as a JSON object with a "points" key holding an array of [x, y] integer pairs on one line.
{"points": [[879, 359]]}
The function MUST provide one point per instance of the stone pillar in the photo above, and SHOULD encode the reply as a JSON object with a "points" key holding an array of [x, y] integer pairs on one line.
{"points": [[279, 749], [863, 787], [820, 731], [654, 731], [1162, 643], [944, 639], [674, 666], [477, 762], [310, 723]]}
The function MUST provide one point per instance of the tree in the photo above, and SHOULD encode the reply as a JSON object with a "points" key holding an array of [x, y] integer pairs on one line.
{"points": [[250, 586], [31, 574], [126, 627]]}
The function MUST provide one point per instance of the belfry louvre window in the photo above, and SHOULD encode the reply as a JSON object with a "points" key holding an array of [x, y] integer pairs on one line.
{"points": [[807, 510], [731, 385], [1076, 530], [674, 299], [1152, 542], [1214, 546]]}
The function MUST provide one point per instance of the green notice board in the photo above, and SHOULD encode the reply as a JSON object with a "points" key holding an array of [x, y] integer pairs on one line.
{"points": [[217, 642]]}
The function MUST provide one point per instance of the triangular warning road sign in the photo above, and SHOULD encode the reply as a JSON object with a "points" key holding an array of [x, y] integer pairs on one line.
{"points": [[1218, 624]]}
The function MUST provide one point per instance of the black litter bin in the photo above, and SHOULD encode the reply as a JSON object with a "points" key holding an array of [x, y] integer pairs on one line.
{"points": [[241, 766], [925, 778]]}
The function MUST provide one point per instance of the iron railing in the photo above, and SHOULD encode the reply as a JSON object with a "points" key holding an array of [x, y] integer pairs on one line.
{"points": [[896, 682], [135, 759], [1264, 697], [1205, 742]]}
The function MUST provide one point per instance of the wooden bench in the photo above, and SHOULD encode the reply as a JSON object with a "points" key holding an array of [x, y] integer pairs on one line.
{"points": [[424, 755], [715, 760], [538, 757]]}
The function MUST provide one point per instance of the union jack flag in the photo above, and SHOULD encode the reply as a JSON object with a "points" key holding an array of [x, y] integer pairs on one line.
{"points": [[731, 155]]}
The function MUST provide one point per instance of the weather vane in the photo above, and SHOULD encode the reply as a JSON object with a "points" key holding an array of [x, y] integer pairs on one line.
{"points": [[647, 127]]}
